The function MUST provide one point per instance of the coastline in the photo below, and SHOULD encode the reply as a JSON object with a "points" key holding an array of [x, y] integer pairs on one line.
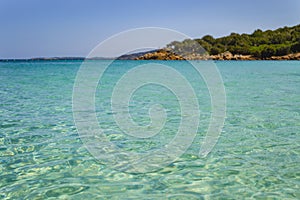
{"points": [[162, 54]]}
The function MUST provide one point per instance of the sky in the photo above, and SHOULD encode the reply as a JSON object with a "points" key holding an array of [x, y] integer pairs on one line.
{"points": [[49, 28]]}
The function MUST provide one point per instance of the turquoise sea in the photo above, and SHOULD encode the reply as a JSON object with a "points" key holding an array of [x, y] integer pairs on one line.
{"points": [[257, 155]]}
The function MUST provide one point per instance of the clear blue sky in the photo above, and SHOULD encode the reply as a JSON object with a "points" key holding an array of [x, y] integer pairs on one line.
{"points": [[37, 28]]}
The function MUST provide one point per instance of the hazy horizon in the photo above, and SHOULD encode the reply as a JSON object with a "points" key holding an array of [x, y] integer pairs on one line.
{"points": [[73, 29]]}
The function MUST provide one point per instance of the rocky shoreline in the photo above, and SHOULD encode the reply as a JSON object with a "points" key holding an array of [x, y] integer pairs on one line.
{"points": [[163, 54]]}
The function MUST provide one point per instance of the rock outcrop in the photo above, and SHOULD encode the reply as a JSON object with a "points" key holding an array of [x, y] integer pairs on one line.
{"points": [[163, 54], [229, 56], [294, 56], [160, 55]]}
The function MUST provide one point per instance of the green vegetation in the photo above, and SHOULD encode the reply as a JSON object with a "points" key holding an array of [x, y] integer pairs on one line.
{"points": [[260, 44]]}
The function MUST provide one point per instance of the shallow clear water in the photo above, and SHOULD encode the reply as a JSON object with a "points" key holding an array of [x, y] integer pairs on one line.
{"points": [[257, 155]]}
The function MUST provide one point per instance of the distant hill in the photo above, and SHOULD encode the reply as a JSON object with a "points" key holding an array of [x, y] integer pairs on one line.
{"points": [[134, 56], [258, 45]]}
